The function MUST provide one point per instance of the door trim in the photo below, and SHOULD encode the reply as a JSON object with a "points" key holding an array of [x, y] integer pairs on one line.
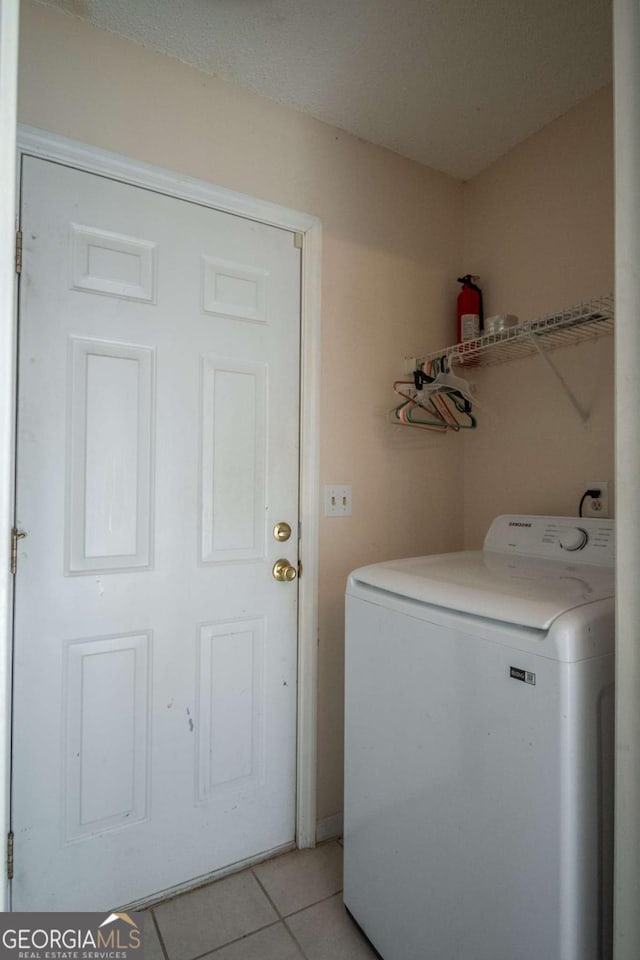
{"points": [[9, 21], [37, 143]]}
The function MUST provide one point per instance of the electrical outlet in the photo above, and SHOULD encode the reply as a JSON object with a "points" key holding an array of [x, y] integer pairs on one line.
{"points": [[597, 506], [337, 499]]}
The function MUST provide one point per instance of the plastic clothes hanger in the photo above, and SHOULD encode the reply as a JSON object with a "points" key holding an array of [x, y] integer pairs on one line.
{"points": [[415, 396], [435, 412], [462, 409], [455, 405], [416, 410], [444, 409], [407, 413], [447, 382]]}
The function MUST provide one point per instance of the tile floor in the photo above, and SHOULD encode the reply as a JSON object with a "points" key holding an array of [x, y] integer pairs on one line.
{"points": [[289, 908]]}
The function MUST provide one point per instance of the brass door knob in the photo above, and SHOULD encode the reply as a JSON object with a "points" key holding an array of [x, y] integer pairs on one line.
{"points": [[283, 570]]}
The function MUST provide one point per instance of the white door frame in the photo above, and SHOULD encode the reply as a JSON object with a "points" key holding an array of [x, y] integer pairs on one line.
{"points": [[37, 143], [626, 55], [9, 19]]}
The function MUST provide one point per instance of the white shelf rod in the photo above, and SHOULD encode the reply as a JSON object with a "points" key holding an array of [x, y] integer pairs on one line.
{"points": [[582, 413]]}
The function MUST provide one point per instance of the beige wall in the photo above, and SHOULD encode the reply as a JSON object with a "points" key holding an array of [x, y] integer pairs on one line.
{"points": [[538, 227], [539, 231], [392, 247]]}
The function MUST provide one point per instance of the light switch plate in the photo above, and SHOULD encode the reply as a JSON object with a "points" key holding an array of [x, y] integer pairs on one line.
{"points": [[337, 499]]}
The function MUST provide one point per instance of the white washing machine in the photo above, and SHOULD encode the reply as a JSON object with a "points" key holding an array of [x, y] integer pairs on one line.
{"points": [[479, 747]]}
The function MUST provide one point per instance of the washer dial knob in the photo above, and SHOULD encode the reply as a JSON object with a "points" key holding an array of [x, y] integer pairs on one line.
{"points": [[573, 538]]}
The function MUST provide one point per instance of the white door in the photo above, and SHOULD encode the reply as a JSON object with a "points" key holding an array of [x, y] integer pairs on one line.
{"points": [[155, 653]]}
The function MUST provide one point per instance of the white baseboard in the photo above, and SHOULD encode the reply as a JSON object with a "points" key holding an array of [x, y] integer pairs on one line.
{"points": [[329, 828]]}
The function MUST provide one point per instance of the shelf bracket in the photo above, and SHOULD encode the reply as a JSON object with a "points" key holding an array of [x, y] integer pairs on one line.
{"points": [[582, 413]]}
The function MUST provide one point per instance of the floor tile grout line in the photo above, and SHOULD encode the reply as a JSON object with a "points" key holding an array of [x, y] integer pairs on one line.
{"points": [[264, 890], [314, 903], [245, 936], [283, 916], [154, 920], [302, 909], [353, 922], [294, 913], [282, 920], [214, 950], [295, 940]]}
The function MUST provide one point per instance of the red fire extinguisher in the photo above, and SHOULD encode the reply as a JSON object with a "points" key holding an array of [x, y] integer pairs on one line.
{"points": [[470, 317]]}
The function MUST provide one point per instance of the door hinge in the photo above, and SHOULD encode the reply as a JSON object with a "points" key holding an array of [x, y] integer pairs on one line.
{"points": [[18, 251], [297, 240], [16, 535], [10, 855]]}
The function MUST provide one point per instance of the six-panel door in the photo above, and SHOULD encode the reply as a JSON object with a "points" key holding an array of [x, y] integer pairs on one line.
{"points": [[155, 655]]}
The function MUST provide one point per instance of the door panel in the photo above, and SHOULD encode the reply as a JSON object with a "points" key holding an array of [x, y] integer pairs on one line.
{"points": [[110, 430], [155, 655], [105, 751], [233, 457]]}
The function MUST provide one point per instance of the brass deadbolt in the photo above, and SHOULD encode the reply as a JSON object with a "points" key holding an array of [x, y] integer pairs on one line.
{"points": [[281, 531]]}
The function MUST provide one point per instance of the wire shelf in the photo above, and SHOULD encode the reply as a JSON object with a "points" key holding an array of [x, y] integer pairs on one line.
{"points": [[585, 321]]}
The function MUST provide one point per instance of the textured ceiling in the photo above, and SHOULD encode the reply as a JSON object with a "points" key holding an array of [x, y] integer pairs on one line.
{"points": [[453, 84]]}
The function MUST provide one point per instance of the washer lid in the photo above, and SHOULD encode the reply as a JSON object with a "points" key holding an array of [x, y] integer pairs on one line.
{"points": [[516, 589]]}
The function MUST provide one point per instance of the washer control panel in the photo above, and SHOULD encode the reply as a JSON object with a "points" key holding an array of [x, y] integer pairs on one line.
{"points": [[573, 538], [578, 539]]}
